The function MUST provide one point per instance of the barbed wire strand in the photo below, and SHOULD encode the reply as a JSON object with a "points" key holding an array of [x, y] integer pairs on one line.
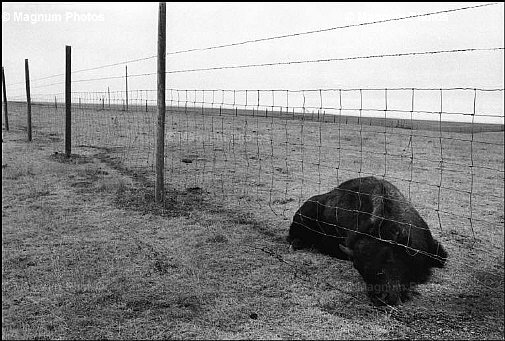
{"points": [[250, 41], [325, 60], [296, 62], [333, 28]]}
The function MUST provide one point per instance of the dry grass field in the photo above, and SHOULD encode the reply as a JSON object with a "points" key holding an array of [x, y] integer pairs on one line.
{"points": [[87, 254]]}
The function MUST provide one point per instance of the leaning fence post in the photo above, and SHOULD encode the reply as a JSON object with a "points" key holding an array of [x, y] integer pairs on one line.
{"points": [[68, 101], [28, 101], [159, 188], [6, 113]]}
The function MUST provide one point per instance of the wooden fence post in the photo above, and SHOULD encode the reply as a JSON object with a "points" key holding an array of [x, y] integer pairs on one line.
{"points": [[68, 101], [28, 101], [126, 78], [6, 112], [159, 188]]}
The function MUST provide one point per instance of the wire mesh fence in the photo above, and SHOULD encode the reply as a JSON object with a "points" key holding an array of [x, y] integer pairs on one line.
{"points": [[269, 151]]}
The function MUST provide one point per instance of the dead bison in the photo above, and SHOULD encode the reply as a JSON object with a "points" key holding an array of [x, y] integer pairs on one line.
{"points": [[368, 221]]}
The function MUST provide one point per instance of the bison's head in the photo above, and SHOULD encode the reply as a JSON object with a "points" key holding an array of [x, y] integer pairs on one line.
{"points": [[383, 268]]}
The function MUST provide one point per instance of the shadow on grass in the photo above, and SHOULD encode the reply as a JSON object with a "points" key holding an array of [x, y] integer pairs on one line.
{"points": [[72, 159], [176, 203]]}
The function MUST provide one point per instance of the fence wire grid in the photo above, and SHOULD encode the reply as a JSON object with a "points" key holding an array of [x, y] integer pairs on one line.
{"points": [[269, 151]]}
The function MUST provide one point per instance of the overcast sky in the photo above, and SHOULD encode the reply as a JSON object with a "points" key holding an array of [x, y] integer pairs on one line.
{"points": [[105, 33]]}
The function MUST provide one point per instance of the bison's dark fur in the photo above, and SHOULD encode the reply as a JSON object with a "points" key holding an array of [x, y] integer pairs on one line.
{"points": [[370, 222]]}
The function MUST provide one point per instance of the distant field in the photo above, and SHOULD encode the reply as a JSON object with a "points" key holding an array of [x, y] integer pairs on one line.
{"points": [[240, 175], [443, 125]]}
